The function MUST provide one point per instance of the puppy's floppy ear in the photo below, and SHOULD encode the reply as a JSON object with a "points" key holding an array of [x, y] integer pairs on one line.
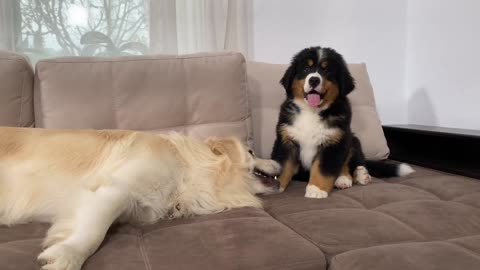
{"points": [[346, 83], [335, 63], [287, 79]]}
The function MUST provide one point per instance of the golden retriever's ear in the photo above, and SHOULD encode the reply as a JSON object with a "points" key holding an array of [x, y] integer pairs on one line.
{"points": [[217, 147], [218, 150]]}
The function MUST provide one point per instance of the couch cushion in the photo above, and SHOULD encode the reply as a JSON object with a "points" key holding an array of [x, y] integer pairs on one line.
{"points": [[238, 239], [202, 94], [382, 224], [412, 256], [16, 90], [267, 95]]}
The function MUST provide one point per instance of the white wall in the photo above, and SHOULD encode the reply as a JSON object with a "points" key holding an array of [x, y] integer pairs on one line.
{"points": [[371, 31], [423, 56], [443, 63]]}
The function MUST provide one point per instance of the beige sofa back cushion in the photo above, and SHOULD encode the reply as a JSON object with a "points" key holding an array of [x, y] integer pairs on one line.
{"points": [[200, 95], [267, 95], [16, 91]]}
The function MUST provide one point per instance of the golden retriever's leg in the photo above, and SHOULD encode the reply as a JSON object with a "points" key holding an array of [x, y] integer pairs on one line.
{"points": [[92, 216], [290, 168], [319, 185]]}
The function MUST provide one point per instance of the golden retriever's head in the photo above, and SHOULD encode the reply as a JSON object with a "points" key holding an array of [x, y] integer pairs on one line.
{"points": [[242, 161]]}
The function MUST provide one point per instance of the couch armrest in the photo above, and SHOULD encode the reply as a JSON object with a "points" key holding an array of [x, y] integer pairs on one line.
{"points": [[445, 149], [16, 90]]}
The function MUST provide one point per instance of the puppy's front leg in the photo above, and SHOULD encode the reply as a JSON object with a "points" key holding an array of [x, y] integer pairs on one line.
{"points": [[319, 184], [268, 166], [93, 215]]}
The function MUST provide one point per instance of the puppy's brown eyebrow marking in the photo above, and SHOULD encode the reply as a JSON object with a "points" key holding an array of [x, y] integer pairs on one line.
{"points": [[310, 62], [324, 64]]}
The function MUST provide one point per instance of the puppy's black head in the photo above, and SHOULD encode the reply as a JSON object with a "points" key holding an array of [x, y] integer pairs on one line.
{"points": [[317, 76]]}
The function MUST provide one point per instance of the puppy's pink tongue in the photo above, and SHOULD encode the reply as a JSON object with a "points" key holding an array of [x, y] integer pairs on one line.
{"points": [[313, 100]]}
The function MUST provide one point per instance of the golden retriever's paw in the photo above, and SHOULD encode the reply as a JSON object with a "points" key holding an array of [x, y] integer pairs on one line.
{"points": [[362, 176], [60, 257], [315, 193], [343, 182]]}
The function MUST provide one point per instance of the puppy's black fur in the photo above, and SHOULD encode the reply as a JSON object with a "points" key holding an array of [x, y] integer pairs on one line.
{"points": [[340, 150]]}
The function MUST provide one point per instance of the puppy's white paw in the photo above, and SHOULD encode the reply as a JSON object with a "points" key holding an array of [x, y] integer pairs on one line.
{"points": [[315, 193], [362, 176], [60, 257], [268, 166], [343, 182]]}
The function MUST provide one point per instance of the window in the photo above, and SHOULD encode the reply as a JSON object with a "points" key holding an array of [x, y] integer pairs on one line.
{"points": [[50, 28], [83, 27]]}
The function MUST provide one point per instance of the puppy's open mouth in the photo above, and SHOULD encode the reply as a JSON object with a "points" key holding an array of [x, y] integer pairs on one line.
{"points": [[266, 179], [314, 98]]}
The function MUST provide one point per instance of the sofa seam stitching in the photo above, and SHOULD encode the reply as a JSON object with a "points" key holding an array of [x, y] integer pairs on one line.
{"points": [[242, 120], [376, 208], [21, 100], [370, 210], [466, 250], [407, 242], [325, 209], [427, 191], [400, 222], [299, 263], [201, 222], [248, 123], [431, 200], [301, 235], [355, 200], [20, 240], [114, 97], [106, 60]]}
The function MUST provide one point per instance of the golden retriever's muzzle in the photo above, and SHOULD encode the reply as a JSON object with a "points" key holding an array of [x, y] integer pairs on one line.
{"points": [[267, 180]]}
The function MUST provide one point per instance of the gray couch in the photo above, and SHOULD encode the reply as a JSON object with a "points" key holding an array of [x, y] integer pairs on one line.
{"points": [[427, 220]]}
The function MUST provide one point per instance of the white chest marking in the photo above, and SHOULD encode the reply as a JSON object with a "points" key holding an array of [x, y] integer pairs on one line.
{"points": [[310, 132]]}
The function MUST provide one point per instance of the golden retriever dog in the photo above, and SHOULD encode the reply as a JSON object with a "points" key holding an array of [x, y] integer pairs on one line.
{"points": [[82, 181]]}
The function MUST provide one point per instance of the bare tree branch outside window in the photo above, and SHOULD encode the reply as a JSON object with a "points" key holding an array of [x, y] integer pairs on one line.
{"points": [[83, 27]]}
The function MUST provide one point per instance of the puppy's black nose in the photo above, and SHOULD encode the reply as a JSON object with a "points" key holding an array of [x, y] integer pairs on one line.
{"points": [[314, 81]]}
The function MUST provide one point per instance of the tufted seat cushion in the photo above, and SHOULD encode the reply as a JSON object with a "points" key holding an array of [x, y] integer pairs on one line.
{"points": [[239, 239], [428, 220]]}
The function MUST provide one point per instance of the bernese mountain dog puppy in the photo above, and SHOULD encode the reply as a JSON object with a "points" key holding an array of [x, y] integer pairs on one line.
{"points": [[313, 134]]}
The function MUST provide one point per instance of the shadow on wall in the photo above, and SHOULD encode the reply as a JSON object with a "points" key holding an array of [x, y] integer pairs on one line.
{"points": [[420, 109]]}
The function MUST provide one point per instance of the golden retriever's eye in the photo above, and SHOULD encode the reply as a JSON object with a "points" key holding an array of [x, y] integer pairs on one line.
{"points": [[251, 152]]}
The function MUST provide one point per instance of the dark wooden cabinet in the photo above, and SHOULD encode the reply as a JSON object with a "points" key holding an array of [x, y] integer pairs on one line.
{"points": [[447, 149]]}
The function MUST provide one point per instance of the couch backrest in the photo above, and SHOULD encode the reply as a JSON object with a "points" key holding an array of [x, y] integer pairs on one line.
{"points": [[267, 95], [16, 91], [200, 95]]}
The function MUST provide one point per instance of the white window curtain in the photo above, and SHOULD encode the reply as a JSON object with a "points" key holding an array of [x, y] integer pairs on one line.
{"points": [[8, 28], [49, 28]]}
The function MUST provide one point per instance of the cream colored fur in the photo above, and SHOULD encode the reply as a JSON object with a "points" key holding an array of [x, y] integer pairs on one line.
{"points": [[82, 181]]}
